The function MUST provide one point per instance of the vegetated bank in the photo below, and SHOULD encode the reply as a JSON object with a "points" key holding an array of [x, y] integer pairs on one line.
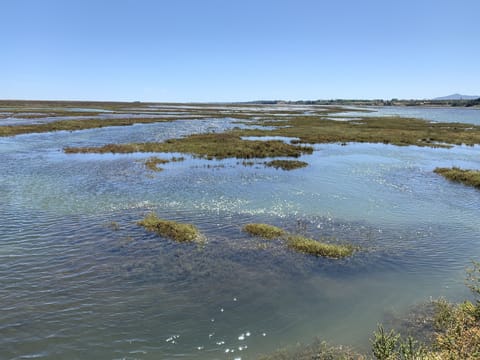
{"points": [[452, 333], [464, 176], [208, 146], [308, 130]]}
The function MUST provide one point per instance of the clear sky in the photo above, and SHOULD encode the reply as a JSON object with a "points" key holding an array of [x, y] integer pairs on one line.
{"points": [[237, 50]]}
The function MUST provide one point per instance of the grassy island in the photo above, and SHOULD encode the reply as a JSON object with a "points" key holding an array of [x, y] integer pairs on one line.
{"points": [[467, 177], [308, 130], [388, 130], [318, 248], [153, 162], [75, 125], [300, 243], [315, 128], [286, 164], [208, 146], [264, 230], [170, 229]]}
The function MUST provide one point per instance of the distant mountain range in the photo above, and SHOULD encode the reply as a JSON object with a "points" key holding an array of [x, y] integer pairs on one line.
{"points": [[458, 97]]}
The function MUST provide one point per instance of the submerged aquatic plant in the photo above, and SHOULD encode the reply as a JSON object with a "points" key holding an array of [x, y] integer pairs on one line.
{"points": [[318, 350], [318, 248], [171, 229], [264, 230], [467, 177]]}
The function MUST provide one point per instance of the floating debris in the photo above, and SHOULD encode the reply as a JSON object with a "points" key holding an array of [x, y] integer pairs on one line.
{"points": [[241, 337], [200, 347], [220, 342]]}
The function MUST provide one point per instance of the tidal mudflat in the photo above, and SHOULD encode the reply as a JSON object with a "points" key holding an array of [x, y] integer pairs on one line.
{"points": [[74, 285]]}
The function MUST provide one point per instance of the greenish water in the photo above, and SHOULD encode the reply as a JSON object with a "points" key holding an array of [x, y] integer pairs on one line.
{"points": [[74, 286]]}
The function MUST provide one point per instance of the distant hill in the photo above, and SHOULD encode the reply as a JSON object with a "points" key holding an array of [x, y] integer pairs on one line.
{"points": [[458, 97]]}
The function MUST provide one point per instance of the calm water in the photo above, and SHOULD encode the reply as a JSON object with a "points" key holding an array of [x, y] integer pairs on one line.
{"points": [[75, 286], [438, 114]]}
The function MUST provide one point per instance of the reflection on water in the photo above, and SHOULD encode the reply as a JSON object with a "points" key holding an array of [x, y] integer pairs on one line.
{"points": [[74, 284]]}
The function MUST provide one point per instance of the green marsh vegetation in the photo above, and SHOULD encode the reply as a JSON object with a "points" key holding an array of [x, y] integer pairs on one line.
{"points": [[153, 162], [319, 248], [388, 130], [466, 177], [264, 230], [286, 164], [314, 128], [76, 124], [300, 243], [209, 146], [309, 130], [171, 229], [39, 109]]}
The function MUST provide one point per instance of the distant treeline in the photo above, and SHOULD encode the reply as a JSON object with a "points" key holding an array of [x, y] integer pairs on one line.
{"points": [[376, 102]]}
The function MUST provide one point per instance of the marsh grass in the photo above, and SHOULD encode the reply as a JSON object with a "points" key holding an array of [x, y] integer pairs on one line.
{"points": [[75, 125], [308, 130], [300, 243], [319, 248], [153, 162], [466, 177], [286, 164], [388, 130], [247, 163], [171, 229], [208, 146], [314, 128], [264, 230]]}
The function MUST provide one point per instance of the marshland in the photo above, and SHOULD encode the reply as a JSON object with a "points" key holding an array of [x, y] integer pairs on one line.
{"points": [[218, 258]]}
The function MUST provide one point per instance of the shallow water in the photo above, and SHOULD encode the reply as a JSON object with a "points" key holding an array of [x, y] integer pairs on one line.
{"points": [[437, 114], [76, 285], [19, 120]]}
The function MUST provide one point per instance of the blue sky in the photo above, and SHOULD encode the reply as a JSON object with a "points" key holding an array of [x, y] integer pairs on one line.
{"points": [[237, 50]]}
